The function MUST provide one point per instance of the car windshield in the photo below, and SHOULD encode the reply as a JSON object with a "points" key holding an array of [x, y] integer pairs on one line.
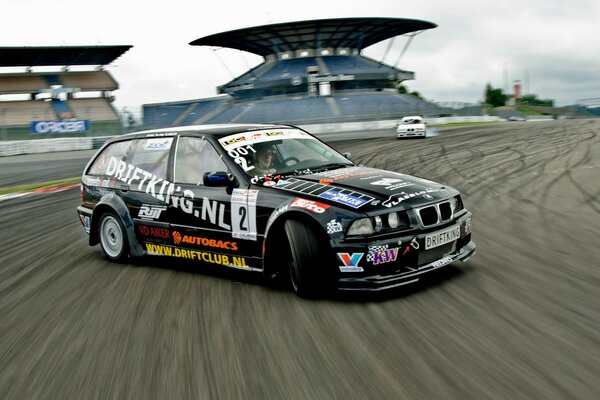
{"points": [[281, 152]]}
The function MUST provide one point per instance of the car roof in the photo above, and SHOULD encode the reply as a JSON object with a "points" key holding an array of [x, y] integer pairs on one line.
{"points": [[216, 130]]}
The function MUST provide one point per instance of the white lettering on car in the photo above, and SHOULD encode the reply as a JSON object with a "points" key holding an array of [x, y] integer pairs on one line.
{"points": [[148, 183]]}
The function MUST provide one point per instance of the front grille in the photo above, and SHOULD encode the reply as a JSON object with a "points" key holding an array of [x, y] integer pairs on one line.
{"points": [[445, 211], [429, 215], [435, 213]]}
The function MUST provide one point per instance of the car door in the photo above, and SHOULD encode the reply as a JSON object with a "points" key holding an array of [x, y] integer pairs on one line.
{"points": [[143, 189], [203, 225]]}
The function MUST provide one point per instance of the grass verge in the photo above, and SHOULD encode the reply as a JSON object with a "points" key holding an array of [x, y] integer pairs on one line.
{"points": [[41, 185]]}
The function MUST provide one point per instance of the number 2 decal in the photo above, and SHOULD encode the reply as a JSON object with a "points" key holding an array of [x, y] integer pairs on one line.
{"points": [[243, 214]]}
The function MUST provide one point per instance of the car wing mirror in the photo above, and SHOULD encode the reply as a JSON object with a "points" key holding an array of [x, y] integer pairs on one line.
{"points": [[217, 179], [348, 155]]}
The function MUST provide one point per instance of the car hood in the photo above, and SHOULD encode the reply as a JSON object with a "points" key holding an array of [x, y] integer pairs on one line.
{"points": [[366, 189]]}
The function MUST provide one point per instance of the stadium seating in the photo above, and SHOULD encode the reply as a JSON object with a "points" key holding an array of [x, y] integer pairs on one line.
{"points": [[94, 109], [89, 80], [15, 113], [23, 83]]}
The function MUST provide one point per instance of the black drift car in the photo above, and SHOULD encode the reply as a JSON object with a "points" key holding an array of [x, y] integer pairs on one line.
{"points": [[273, 199]]}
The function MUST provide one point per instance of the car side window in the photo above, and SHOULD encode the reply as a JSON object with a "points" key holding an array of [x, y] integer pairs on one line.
{"points": [[115, 150], [193, 158], [152, 155]]}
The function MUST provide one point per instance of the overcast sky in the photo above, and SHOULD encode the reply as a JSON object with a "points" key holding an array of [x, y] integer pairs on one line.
{"points": [[551, 46]]}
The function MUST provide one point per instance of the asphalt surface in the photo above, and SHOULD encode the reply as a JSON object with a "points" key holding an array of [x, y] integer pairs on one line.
{"points": [[520, 320]]}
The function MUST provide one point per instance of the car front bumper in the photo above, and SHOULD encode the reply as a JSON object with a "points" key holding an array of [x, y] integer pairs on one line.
{"points": [[410, 134], [403, 276], [392, 262]]}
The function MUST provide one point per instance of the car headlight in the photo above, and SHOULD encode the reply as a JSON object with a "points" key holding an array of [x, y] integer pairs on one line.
{"points": [[393, 220], [456, 204], [363, 226]]}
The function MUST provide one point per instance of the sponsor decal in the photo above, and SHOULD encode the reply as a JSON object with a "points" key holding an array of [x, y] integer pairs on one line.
{"points": [[344, 173], [309, 205], [158, 144], [243, 213], [344, 198], [386, 182], [202, 256], [158, 188], [163, 190], [391, 184], [248, 138], [441, 262], [330, 78], [382, 254], [153, 231], [334, 226], [274, 216], [42, 127], [398, 198], [85, 220], [96, 182], [350, 262], [150, 211], [202, 241]]}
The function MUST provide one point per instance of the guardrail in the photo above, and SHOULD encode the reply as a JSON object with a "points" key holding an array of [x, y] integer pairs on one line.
{"points": [[18, 147]]}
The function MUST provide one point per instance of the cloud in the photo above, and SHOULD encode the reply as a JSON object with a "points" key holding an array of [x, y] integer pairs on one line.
{"points": [[552, 45]]}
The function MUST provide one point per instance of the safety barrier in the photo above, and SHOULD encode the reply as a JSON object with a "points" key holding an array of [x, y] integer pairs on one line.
{"points": [[17, 147]]}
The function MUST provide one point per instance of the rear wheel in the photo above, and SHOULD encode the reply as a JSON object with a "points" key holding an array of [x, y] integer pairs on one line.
{"points": [[113, 238], [306, 260]]}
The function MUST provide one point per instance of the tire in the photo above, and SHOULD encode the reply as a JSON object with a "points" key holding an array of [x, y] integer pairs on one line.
{"points": [[306, 261], [113, 237]]}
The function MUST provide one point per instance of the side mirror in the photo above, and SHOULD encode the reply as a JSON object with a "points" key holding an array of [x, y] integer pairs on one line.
{"points": [[348, 156], [217, 179]]}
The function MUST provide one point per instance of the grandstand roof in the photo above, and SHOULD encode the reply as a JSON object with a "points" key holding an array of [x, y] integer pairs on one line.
{"points": [[59, 55], [356, 33]]}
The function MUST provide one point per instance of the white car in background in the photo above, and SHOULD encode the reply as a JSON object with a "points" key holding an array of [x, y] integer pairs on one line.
{"points": [[412, 126]]}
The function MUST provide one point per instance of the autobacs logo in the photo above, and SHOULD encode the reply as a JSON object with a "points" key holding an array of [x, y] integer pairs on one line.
{"points": [[202, 241]]}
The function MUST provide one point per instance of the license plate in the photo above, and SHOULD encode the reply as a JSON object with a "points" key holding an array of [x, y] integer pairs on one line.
{"points": [[442, 237]]}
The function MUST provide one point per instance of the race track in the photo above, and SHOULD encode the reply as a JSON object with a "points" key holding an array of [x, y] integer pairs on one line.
{"points": [[520, 320]]}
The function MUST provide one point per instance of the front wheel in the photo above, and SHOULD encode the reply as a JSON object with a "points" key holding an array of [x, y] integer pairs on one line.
{"points": [[306, 260], [113, 238]]}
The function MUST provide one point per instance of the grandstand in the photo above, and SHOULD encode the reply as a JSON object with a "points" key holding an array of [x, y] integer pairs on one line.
{"points": [[312, 72], [46, 87]]}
